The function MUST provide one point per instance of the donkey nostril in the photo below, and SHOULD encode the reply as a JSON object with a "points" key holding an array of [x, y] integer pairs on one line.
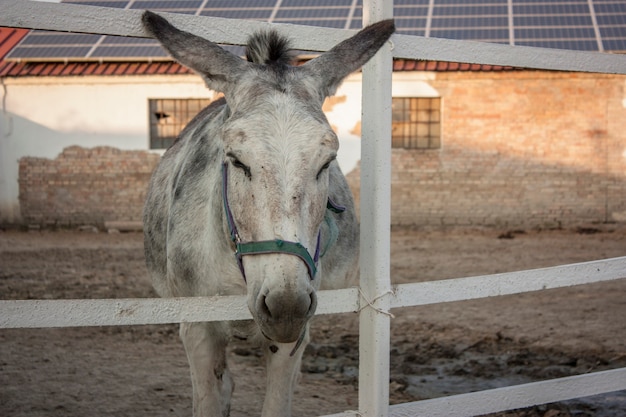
{"points": [[313, 305], [263, 307]]}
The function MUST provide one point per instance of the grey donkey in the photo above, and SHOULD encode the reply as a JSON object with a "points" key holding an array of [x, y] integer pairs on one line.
{"points": [[250, 200]]}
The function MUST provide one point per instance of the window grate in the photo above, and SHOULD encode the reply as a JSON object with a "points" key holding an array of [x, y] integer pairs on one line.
{"points": [[416, 123], [168, 117]]}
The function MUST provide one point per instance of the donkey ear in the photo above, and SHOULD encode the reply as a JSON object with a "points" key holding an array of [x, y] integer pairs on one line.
{"points": [[333, 66], [218, 67]]}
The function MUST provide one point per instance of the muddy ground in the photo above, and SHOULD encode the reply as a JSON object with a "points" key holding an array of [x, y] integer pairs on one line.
{"points": [[436, 350]]}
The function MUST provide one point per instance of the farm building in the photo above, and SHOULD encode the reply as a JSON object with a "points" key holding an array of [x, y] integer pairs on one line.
{"points": [[85, 118]]}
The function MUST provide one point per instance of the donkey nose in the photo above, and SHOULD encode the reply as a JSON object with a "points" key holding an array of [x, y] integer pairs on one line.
{"points": [[276, 306], [282, 315]]}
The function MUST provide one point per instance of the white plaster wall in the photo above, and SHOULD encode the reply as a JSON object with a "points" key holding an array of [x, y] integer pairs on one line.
{"points": [[43, 115], [344, 116]]}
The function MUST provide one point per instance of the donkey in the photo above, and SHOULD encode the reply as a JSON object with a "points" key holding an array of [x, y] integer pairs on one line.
{"points": [[250, 200]]}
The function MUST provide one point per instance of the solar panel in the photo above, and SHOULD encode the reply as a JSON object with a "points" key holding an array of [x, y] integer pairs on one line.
{"points": [[614, 32], [254, 14], [575, 45], [568, 24], [47, 38], [50, 45], [315, 3], [318, 12], [464, 9], [615, 45], [472, 34], [102, 3], [56, 52], [166, 4], [242, 4], [409, 11], [551, 24], [418, 3], [611, 18], [132, 51], [118, 40], [410, 17], [470, 20], [610, 7], [552, 20], [329, 23]]}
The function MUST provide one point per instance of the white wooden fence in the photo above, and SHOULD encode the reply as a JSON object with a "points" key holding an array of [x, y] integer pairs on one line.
{"points": [[376, 295]]}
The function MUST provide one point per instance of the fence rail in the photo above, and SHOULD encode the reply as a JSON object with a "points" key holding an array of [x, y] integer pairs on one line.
{"points": [[512, 397], [376, 290], [16, 314]]}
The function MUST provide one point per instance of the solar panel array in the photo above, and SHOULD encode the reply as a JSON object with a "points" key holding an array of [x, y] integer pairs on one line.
{"points": [[590, 25]]}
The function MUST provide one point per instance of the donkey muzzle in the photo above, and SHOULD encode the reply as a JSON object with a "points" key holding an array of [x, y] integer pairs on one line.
{"points": [[282, 315]]}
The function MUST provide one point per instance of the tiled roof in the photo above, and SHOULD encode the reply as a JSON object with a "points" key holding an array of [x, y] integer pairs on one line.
{"points": [[442, 66], [52, 69], [9, 37], [34, 69]]}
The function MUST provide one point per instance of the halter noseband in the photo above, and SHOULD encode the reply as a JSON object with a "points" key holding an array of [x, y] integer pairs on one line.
{"points": [[270, 246]]}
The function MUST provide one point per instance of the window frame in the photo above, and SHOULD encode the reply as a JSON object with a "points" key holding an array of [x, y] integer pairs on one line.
{"points": [[416, 123]]}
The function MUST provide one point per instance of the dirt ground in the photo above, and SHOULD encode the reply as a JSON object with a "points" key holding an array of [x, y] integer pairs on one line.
{"points": [[436, 350]]}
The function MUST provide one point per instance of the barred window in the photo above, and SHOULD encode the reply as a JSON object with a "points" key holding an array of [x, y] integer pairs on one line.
{"points": [[416, 123], [168, 117]]}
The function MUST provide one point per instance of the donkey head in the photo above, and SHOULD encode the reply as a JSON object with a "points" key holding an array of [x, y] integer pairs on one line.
{"points": [[277, 151]]}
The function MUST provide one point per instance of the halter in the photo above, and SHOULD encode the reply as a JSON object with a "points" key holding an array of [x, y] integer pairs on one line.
{"points": [[270, 246]]}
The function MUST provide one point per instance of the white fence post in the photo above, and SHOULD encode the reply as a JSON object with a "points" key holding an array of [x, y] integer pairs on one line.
{"points": [[375, 205]]}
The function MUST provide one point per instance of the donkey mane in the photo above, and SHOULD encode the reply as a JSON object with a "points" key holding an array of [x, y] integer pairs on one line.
{"points": [[269, 47]]}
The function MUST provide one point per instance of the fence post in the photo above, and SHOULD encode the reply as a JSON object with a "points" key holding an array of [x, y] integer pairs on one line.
{"points": [[374, 339]]}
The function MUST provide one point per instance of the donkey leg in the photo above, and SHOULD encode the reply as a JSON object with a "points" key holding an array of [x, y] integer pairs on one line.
{"points": [[212, 383], [283, 370]]}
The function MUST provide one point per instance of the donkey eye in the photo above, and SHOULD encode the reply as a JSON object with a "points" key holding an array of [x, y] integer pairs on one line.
{"points": [[240, 165], [322, 169]]}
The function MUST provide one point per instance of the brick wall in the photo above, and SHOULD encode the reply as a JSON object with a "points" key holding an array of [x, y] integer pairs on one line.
{"points": [[84, 186], [520, 149]]}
